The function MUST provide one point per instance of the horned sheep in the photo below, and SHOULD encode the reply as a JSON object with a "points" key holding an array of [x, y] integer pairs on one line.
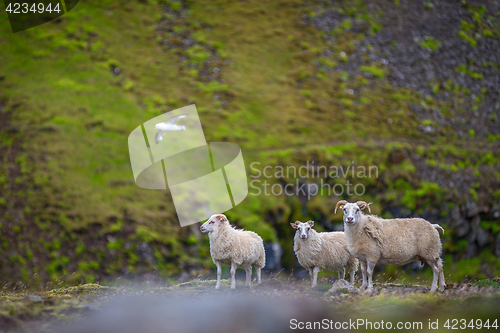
{"points": [[235, 248], [373, 240], [317, 251]]}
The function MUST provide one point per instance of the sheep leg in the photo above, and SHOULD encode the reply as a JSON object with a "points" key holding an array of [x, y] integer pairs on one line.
{"points": [[369, 272], [258, 275], [233, 273], [342, 274], [435, 275], [219, 272], [248, 281], [353, 276], [311, 275], [315, 276], [363, 273], [442, 284]]}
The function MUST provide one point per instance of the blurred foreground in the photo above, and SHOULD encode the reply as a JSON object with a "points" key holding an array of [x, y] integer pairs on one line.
{"points": [[274, 306]]}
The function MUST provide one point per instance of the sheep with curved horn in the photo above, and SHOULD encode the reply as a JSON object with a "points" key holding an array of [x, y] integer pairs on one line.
{"points": [[373, 239]]}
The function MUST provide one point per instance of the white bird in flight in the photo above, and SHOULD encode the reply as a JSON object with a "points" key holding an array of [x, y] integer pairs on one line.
{"points": [[168, 127]]}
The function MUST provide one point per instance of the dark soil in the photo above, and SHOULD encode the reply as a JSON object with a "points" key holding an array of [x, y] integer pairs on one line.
{"points": [[397, 47]]}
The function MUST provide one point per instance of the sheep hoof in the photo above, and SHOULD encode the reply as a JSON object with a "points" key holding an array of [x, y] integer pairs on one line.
{"points": [[368, 290]]}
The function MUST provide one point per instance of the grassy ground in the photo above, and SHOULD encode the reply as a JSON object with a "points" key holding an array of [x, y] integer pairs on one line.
{"points": [[48, 311]]}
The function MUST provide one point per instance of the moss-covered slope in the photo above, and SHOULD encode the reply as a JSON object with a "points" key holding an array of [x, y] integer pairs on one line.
{"points": [[345, 84]]}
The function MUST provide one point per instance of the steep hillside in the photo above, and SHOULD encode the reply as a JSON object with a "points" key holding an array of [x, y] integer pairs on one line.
{"points": [[407, 87]]}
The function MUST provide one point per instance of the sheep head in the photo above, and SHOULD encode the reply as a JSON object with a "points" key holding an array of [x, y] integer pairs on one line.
{"points": [[352, 210], [213, 222], [303, 228]]}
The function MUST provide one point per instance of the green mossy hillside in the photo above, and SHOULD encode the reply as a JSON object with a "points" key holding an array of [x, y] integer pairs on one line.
{"points": [[291, 82]]}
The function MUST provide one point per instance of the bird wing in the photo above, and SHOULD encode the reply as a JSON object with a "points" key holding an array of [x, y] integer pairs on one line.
{"points": [[172, 120], [159, 136]]}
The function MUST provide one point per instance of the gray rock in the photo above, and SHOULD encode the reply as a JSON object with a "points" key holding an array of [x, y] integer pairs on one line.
{"points": [[474, 222], [462, 227], [342, 285], [471, 251], [273, 256], [470, 237], [482, 237], [455, 213], [497, 246], [470, 209], [35, 298]]}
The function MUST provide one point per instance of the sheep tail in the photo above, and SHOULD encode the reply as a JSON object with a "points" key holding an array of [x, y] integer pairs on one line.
{"points": [[438, 227], [261, 262]]}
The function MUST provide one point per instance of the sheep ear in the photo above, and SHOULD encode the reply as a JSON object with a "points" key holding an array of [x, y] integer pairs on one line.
{"points": [[222, 218], [311, 223], [293, 225], [362, 205]]}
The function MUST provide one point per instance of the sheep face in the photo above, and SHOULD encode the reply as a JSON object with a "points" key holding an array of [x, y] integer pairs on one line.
{"points": [[351, 213], [213, 222], [303, 228]]}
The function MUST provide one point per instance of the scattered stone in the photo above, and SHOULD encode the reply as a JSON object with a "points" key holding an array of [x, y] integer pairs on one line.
{"points": [[35, 298], [427, 129], [340, 285], [400, 47]]}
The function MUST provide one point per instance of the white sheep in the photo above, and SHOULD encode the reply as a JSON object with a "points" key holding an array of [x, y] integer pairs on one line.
{"points": [[317, 251], [373, 239], [235, 248]]}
